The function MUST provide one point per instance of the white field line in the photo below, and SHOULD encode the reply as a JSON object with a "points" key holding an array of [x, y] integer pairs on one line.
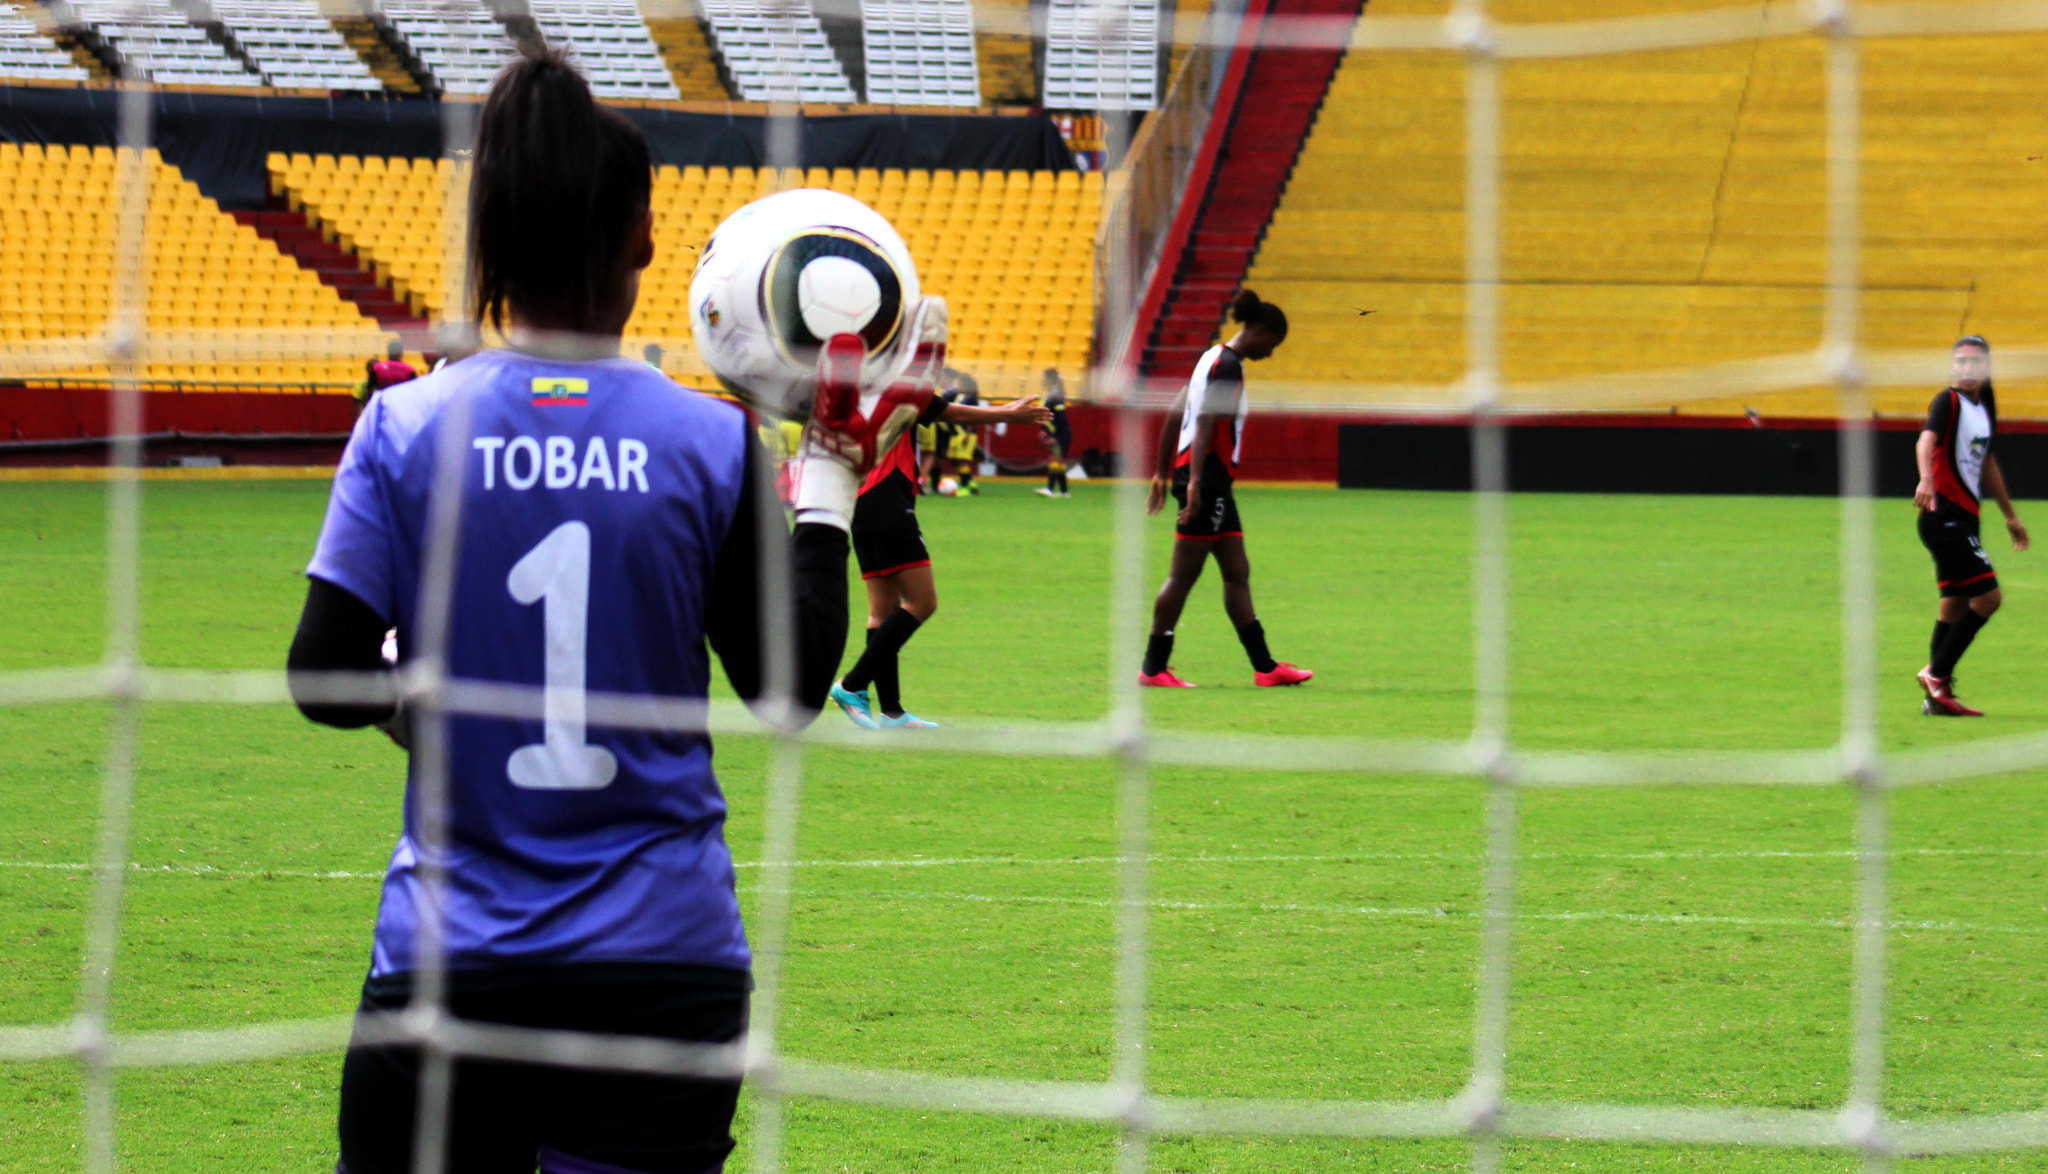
{"points": [[1429, 912], [1425, 912], [1054, 862]]}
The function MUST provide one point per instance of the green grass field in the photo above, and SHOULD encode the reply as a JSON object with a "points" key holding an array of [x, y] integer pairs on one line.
{"points": [[1315, 934]]}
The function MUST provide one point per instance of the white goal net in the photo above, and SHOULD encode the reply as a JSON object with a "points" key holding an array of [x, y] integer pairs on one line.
{"points": [[1483, 1112]]}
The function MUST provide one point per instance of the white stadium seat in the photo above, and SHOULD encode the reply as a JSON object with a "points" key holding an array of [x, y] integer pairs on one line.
{"points": [[776, 52], [920, 52], [461, 42], [1093, 64], [162, 41], [294, 45], [26, 53], [609, 41]]}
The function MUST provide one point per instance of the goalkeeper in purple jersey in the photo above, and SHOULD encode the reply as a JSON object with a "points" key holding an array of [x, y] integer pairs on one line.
{"points": [[610, 530]]}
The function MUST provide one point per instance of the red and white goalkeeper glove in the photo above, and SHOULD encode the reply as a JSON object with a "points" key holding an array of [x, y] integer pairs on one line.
{"points": [[849, 430]]}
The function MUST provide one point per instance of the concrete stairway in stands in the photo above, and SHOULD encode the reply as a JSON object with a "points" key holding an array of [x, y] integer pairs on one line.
{"points": [[334, 265], [1282, 92]]}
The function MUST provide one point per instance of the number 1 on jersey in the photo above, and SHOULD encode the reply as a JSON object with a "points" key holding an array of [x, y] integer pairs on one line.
{"points": [[556, 575]]}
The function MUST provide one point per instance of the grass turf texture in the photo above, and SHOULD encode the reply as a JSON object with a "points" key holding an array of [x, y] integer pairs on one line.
{"points": [[1315, 934]]}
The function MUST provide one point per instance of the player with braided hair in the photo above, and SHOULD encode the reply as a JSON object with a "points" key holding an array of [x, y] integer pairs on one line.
{"points": [[1198, 464]]}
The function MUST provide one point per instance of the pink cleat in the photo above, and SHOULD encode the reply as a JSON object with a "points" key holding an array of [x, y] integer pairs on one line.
{"points": [[1163, 679], [1283, 674], [1941, 697]]}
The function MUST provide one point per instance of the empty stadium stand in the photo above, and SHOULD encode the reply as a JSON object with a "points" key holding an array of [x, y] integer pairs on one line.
{"points": [[920, 52], [462, 42], [1269, 118], [1663, 210], [686, 49], [292, 45], [336, 267], [1003, 49], [610, 43], [159, 39], [1102, 57], [1010, 251], [27, 54], [383, 54], [1190, 18], [775, 53], [205, 274], [386, 213], [899, 52]]}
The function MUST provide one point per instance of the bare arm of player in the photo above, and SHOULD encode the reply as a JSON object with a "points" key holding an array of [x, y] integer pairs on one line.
{"points": [[1198, 454], [1923, 456], [1994, 480], [1169, 442], [1017, 411]]}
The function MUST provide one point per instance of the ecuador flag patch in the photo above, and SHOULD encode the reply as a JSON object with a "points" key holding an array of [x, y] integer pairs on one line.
{"points": [[550, 391]]}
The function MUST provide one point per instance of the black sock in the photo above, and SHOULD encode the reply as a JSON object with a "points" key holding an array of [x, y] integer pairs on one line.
{"points": [[888, 690], [1253, 637], [888, 683], [1158, 650], [877, 665], [1960, 634], [1063, 481], [1941, 628]]}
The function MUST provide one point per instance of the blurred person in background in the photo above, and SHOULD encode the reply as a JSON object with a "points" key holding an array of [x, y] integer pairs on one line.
{"points": [[1059, 435]]}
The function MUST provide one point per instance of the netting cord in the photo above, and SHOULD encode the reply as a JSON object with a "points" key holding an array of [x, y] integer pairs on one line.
{"points": [[1133, 801], [1485, 1093], [1863, 1111], [1128, 1068], [124, 614], [782, 797], [427, 674]]}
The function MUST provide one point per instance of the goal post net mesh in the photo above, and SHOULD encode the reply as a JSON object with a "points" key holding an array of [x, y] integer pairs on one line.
{"points": [[1483, 1113]]}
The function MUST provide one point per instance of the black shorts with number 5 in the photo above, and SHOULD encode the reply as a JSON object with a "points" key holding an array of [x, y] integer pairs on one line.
{"points": [[1218, 516], [1960, 566]]}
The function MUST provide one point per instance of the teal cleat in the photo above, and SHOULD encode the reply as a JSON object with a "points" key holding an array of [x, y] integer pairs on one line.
{"points": [[855, 705], [904, 721]]}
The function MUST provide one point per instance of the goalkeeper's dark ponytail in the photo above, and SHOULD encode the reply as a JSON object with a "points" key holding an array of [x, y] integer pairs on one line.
{"points": [[560, 187]]}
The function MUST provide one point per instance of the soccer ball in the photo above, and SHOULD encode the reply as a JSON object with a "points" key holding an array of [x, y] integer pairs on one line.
{"points": [[837, 295], [787, 272], [948, 487]]}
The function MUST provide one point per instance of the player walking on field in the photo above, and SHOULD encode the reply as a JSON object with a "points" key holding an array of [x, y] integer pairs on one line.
{"points": [[1199, 462], [1956, 467], [610, 529], [898, 569]]}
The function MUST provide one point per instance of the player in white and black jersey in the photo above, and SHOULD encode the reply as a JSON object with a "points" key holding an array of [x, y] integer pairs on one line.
{"points": [[1956, 469], [1198, 465]]}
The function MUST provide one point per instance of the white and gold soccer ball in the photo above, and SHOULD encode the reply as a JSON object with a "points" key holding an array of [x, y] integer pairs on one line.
{"points": [[787, 272]]}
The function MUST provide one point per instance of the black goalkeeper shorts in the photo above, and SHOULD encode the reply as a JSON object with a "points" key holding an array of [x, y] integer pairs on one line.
{"points": [[886, 538], [1218, 518], [1960, 566], [507, 1118]]}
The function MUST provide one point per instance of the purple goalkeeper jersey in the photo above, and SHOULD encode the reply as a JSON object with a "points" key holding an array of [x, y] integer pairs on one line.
{"points": [[596, 496]]}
